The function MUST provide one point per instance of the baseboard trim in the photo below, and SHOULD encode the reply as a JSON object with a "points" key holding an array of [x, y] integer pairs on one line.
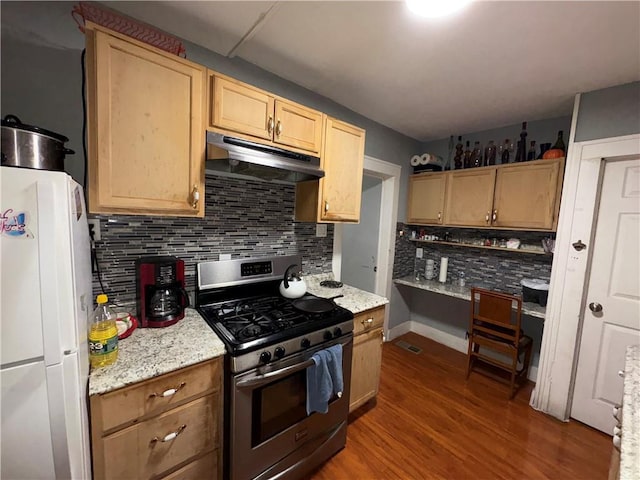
{"points": [[444, 338]]}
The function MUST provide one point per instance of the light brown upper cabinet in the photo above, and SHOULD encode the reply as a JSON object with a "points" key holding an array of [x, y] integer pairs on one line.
{"points": [[426, 198], [146, 126], [335, 197], [522, 196], [248, 112], [469, 197], [528, 196]]}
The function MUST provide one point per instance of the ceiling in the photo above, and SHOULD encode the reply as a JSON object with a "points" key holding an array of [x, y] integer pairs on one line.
{"points": [[495, 63]]}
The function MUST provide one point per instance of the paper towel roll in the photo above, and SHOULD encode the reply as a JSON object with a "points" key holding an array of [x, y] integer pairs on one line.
{"points": [[415, 160], [424, 159], [443, 269]]}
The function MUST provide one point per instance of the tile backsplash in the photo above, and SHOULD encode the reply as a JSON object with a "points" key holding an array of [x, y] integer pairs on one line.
{"points": [[243, 218], [493, 269]]}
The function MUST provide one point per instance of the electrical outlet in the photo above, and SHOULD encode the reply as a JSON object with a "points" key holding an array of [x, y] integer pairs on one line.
{"points": [[94, 229], [224, 256], [321, 229], [419, 253]]}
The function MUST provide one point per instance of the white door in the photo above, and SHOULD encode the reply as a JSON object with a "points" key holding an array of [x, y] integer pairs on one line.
{"points": [[360, 242], [611, 314]]}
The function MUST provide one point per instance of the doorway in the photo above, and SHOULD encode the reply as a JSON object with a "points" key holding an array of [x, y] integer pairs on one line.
{"points": [[381, 223], [360, 241], [612, 303]]}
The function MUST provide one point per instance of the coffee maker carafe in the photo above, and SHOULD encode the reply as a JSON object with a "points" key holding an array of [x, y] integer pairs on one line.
{"points": [[160, 292]]}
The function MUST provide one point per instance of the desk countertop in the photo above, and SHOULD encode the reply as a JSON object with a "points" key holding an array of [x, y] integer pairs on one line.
{"points": [[531, 309]]}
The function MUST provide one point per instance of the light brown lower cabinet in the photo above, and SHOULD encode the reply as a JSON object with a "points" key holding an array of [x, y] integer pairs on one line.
{"points": [[175, 431], [367, 356]]}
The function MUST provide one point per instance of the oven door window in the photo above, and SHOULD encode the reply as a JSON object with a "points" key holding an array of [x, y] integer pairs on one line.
{"points": [[278, 406]]}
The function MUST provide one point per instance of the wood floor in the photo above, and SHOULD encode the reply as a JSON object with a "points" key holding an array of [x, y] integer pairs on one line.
{"points": [[430, 423]]}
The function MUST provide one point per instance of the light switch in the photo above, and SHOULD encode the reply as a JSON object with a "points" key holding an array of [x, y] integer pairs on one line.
{"points": [[419, 253], [321, 229]]}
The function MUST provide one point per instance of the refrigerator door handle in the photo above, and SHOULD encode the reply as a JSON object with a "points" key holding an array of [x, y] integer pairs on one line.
{"points": [[48, 272]]}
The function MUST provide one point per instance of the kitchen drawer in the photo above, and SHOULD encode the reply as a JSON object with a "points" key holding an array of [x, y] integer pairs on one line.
{"points": [[139, 401], [151, 450], [368, 320], [204, 467]]}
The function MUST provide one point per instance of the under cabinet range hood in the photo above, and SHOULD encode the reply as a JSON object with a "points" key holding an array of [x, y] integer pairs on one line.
{"points": [[237, 157]]}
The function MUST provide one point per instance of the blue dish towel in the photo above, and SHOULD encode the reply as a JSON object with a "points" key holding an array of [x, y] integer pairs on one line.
{"points": [[324, 379]]}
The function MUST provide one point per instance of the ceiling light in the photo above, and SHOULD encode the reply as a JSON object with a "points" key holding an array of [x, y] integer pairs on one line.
{"points": [[435, 8]]}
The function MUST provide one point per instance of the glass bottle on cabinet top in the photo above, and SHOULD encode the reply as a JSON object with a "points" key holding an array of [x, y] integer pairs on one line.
{"points": [[521, 151], [531, 154], [559, 142], [476, 155], [457, 159], [507, 148], [490, 154], [467, 156]]}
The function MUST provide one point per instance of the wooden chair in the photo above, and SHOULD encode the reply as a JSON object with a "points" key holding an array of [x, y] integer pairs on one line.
{"points": [[496, 326]]}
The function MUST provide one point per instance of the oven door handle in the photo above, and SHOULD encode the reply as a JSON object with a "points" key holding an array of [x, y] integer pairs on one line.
{"points": [[277, 374]]}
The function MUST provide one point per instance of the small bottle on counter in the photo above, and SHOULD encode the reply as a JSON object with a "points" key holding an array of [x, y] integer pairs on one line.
{"points": [[461, 280], [103, 335]]}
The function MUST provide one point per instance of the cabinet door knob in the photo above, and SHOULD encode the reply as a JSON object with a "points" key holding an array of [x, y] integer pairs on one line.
{"points": [[169, 436], [495, 215], [195, 197], [326, 206], [621, 373], [439, 216], [168, 393], [270, 125], [487, 217], [279, 128]]}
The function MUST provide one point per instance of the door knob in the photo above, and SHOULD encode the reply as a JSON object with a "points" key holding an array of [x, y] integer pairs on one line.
{"points": [[595, 307]]}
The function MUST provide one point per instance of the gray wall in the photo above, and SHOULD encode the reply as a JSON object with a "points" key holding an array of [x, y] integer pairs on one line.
{"points": [[42, 86], [610, 112]]}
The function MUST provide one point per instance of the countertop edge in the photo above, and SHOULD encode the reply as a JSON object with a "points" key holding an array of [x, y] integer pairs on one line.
{"points": [[354, 299], [463, 293], [152, 352], [630, 439]]}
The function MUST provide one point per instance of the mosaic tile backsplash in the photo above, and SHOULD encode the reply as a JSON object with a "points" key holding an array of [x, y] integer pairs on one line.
{"points": [[492, 269], [244, 218]]}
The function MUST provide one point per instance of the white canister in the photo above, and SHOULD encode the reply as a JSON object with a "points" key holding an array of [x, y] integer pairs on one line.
{"points": [[443, 269]]}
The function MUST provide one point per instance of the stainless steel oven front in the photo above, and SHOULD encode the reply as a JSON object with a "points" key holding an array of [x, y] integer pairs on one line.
{"points": [[271, 435]]}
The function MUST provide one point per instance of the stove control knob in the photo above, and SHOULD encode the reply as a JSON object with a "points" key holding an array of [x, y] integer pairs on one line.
{"points": [[337, 332], [265, 357], [305, 343], [279, 352], [328, 335]]}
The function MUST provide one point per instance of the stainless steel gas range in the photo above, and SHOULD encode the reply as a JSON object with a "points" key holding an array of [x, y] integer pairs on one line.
{"points": [[270, 342]]}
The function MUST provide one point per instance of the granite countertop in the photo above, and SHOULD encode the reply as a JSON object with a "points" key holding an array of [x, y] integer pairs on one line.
{"points": [[528, 308], [150, 352], [630, 440], [354, 299]]}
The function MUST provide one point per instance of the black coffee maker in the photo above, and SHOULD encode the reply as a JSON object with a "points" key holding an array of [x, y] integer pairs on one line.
{"points": [[160, 294]]}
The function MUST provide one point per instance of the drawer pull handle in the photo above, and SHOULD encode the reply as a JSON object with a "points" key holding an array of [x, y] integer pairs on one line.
{"points": [[278, 128], [168, 393], [169, 436], [270, 125], [368, 322]]}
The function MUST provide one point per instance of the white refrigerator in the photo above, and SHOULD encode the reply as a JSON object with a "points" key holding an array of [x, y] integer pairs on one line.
{"points": [[45, 305]]}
